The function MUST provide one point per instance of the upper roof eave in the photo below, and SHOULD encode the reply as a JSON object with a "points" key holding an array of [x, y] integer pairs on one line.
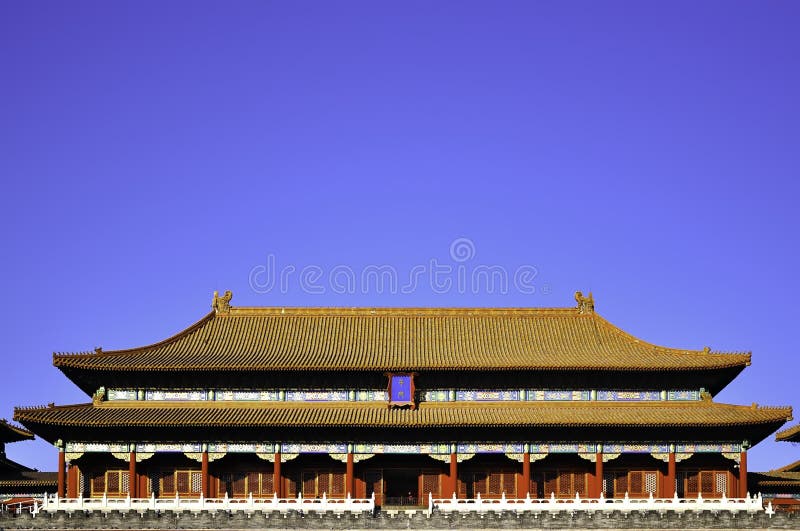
{"points": [[678, 413], [12, 433], [789, 434], [676, 359]]}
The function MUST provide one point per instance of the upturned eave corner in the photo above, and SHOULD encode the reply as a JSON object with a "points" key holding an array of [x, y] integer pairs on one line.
{"points": [[791, 434], [12, 433]]}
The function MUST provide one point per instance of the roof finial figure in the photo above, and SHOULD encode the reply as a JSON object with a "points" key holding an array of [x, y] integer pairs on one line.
{"points": [[222, 304], [585, 304]]}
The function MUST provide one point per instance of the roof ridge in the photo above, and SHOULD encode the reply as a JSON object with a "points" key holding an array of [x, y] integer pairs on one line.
{"points": [[410, 311]]}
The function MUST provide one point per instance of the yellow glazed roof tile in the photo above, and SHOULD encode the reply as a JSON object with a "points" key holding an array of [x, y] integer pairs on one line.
{"points": [[447, 414], [395, 339]]}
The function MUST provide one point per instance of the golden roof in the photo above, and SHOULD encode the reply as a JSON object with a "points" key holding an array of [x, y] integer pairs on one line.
{"points": [[29, 478], [791, 467], [11, 433], [435, 414], [401, 339], [789, 434]]}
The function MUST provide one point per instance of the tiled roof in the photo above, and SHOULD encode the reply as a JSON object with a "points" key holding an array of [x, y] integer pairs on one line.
{"points": [[12, 433], [791, 467], [775, 478], [789, 434], [384, 339], [441, 414], [30, 479]]}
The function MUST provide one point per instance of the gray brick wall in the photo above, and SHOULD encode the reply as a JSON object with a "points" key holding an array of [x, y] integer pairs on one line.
{"points": [[419, 520]]}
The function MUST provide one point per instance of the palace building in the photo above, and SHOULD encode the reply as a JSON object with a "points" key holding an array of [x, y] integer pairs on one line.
{"points": [[400, 403], [781, 486], [17, 480]]}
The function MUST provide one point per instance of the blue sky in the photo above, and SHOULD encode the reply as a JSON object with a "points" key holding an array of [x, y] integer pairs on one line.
{"points": [[153, 152]]}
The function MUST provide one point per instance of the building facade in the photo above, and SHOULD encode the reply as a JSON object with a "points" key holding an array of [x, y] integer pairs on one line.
{"points": [[400, 403], [781, 486], [16, 480]]}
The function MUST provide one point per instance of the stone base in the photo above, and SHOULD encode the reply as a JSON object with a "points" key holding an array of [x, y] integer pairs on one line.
{"points": [[402, 520]]}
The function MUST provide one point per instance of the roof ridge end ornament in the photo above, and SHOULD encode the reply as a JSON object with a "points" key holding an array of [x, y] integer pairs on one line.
{"points": [[222, 304], [585, 304], [99, 396]]}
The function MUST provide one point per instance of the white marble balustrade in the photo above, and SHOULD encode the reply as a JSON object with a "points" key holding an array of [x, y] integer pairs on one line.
{"points": [[749, 504], [249, 504]]}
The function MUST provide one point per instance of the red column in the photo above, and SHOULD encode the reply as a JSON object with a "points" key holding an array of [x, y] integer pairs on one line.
{"points": [[598, 475], [132, 482], [453, 475], [743, 473], [62, 472], [348, 482], [526, 474], [277, 479], [204, 474], [670, 490], [72, 481]]}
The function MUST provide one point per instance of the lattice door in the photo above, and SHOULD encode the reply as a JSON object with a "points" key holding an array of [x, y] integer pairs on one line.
{"points": [[430, 483], [721, 483], [651, 483]]}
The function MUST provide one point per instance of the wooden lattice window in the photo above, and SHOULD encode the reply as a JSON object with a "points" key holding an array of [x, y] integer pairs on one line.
{"points": [[110, 482], [98, 484], [711, 483], [309, 484], [564, 483], [319, 482], [267, 483], [510, 483], [706, 481], [579, 483], [430, 483], [533, 488], [608, 484], [337, 484], [620, 483], [636, 483], [721, 483], [242, 484], [550, 484], [238, 483], [494, 483], [254, 483], [181, 482], [480, 483]]}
